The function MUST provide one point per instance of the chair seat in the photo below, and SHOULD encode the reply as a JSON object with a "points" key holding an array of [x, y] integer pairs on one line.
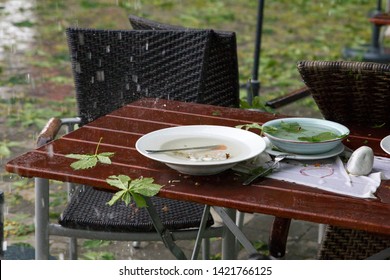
{"points": [[88, 210], [345, 244]]}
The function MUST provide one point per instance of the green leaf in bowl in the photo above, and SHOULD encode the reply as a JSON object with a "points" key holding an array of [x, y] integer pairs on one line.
{"points": [[324, 136]]}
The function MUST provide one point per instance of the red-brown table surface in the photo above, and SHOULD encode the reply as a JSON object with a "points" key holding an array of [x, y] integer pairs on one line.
{"points": [[123, 127]]}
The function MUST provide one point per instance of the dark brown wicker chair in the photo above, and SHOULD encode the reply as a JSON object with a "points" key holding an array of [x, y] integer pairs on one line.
{"points": [[164, 64], [221, 73], [112, 68], [355, 93]]}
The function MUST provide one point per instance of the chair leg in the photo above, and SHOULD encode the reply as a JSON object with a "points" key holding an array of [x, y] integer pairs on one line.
{"points": [[240, 223], [199, 238], [206, 248], [321, 232], [73, 248], [228, 216], [41, 219], [72, 188]]}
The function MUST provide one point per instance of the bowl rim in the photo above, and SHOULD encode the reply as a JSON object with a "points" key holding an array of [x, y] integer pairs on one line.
{"points": [[296, 119]]}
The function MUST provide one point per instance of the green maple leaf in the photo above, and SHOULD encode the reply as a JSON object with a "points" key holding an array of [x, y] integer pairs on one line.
{"points": [[86, 161], [249, 126], [323, 136], [292, 127], [268, 129], [132, 189]]}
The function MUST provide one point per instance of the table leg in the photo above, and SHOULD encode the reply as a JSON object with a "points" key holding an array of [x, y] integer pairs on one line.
{"points": [[228, 217], [41, 219]]}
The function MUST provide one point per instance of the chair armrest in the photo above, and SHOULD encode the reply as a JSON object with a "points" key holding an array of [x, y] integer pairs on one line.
{"points": [[49, 132], [289, 98]]}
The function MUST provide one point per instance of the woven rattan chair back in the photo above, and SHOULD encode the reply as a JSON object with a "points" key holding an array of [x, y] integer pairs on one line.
{"points": [[355, 93], [221, 72], [112, 68]]}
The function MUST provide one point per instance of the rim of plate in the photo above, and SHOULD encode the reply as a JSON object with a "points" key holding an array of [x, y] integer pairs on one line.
{"points": [[386, 141]]}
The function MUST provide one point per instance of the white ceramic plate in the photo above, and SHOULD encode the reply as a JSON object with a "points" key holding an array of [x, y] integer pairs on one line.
{"points": [[385, 144], [240, 145], [334, 152]]}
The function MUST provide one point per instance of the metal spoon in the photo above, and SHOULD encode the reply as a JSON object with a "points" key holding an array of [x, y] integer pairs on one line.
{"points": [[222, 147], [255, 176]]}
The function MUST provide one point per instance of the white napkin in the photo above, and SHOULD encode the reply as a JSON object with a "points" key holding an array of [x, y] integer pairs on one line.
{"points": [[326, 174]]}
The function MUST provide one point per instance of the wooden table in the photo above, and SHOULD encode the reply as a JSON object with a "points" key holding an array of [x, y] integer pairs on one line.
{"points": [[123, 127]]}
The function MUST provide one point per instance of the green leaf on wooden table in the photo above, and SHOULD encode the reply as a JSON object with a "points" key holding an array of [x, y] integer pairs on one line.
{"points": [[86, 161], [145, 186], [132, 189], [76, 156], [104, 159], [120, 181]]}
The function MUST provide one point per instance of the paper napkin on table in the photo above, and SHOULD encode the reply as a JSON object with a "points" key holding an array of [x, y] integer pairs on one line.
{"points": [[326, 174]]}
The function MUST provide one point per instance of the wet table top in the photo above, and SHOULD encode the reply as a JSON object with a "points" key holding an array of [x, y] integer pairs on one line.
{"points": [[122, 128]]}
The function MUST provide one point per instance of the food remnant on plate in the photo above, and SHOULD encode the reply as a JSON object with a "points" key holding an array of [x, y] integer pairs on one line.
{"points": [[216, 154]]}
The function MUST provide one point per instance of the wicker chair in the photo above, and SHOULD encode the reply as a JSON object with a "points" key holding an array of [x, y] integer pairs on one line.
{"points": [[355, 93], [352, 93], [221, 73], [112, 68], [224, 46]]}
